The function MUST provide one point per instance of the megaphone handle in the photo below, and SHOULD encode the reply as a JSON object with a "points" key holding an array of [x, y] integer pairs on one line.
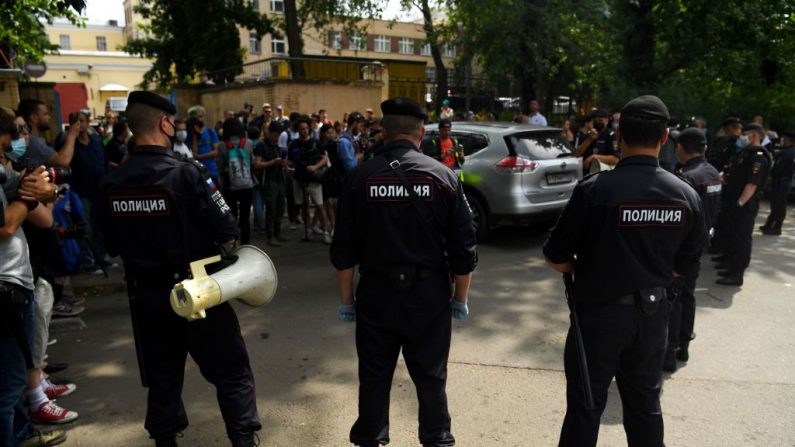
{"points": [[199, 268]]}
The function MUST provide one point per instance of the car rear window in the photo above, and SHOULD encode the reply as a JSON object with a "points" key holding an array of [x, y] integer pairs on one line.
{"points": [[539, 146], [472, 142]]}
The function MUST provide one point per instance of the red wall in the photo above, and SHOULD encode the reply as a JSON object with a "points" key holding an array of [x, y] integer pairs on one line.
{"points": [[74, 97]]}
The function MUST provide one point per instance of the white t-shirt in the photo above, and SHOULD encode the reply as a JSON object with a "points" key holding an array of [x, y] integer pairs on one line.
{"points": [[538, 119], [180, 148], [282, 143], [446, 114]]}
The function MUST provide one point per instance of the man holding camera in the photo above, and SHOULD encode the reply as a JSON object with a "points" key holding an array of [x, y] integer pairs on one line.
{"points": [[20, 200], [599, 144]]}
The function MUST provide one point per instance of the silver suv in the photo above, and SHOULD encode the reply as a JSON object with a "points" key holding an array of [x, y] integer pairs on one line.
{"points": [[512, 172]]}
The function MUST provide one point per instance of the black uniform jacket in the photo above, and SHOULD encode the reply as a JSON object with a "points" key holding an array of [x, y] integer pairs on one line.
{"points": [[629, 229], [784, 168], [751, 165], [160, 211], [707, 183], [377, 226]]}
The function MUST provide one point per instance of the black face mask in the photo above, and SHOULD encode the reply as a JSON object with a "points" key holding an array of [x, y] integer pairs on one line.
{"points": [[172, 138], [599, 126]]}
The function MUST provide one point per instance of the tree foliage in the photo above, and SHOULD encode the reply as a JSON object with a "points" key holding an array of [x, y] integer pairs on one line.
{"points": [[22, 35], [190, 37]]}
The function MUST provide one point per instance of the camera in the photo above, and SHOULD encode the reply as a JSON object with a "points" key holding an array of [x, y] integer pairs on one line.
{"points": [[57, 174]]}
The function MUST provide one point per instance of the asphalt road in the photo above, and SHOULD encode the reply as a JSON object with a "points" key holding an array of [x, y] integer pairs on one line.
{"points": [[506, 384]]}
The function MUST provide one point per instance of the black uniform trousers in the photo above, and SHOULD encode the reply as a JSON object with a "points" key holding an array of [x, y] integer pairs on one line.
{"points": [[683, 315], [619, 341], [214, 343], [386, 321], [740, 230], [274, 208], [778, 204]]}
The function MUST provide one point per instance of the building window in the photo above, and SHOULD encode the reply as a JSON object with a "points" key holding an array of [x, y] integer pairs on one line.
{"points": [[383, 44], [277, 6], [336, 40], [278, 46], [430, 74], [65, 42], [355, 42], [449, 50], [425, 50], [450, 75], [255, 5], [254, 44], [406, 45], [102, 44]]}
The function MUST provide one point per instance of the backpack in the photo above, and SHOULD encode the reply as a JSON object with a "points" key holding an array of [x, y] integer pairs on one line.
{"points": [[238, 166]]}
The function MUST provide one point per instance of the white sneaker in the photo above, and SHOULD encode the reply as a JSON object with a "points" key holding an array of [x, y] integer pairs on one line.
{"points": [[327, 239], [317, 230]]}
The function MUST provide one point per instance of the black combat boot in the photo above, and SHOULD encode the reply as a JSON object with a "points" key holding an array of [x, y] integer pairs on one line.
{"points": [[669, 364], [731, 279], [246, 440], [166, 442], [682, 354]]}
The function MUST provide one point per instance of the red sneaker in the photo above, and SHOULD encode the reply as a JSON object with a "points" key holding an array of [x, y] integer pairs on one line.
{"points": [[50, 413], [56, 391]]}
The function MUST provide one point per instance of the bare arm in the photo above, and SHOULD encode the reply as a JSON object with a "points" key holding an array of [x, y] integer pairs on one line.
{"points": [[64, 156], [14, 214], [748, 192], [565, 267], [345, 285], [462, 283], [41, 216]]}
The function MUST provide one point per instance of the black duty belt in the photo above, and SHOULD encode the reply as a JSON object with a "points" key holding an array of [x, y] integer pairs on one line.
{"points": [[419, 272]]}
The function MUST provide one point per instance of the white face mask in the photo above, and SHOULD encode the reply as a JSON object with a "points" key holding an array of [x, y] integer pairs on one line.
{"points": [[182, 135], [743, 141]]}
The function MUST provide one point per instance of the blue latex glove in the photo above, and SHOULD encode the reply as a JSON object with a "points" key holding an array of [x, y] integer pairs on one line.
{"points": [[460, 310], [347, 312]]}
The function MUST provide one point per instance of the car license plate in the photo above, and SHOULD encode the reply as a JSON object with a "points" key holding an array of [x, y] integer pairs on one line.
{"points": [[557, 179]]}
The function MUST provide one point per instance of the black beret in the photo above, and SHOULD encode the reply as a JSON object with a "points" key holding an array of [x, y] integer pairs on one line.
{"points": [[403, 106], [730, 121], [753, 127], [691, 135], [445, 123], [789, 133], [152, 100], [648, 107]]}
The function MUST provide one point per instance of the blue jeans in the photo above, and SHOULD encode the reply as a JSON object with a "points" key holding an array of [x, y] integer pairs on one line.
{"points": [[259, 211], [13, 380]]}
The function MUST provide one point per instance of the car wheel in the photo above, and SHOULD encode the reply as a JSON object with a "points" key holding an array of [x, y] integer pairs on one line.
{"points": [[480, 217]]}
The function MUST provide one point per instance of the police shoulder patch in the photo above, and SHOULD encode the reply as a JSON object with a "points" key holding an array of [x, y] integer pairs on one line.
{"points": [[140, 205], [756, 167]]}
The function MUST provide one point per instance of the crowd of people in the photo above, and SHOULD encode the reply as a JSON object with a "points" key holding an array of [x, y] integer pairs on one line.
{"points": [[290, 168]]}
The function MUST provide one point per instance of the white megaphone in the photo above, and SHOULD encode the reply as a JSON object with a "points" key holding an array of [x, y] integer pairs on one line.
{"points": [[251, 279]]}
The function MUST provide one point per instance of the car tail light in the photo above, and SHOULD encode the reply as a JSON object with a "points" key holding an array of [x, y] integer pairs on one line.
{"points": [[513, 163]]}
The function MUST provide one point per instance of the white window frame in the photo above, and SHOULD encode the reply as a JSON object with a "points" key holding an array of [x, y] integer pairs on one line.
{"points": [[254, 44], [65, 41], [356, 42], [277, 6], [255, 4], [276, 43], [383, 44], [104, 43], [336, 40], [430, 73], [406, 45], [448, 50], [425, 50]]}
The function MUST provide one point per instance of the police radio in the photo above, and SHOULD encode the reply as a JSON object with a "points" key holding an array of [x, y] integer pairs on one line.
{"points": [[251, 279]]}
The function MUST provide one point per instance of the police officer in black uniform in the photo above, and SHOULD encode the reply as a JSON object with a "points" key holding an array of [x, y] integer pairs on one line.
{"points": [[691, 144], [406, 241], [160, 212], [744, 180], [625, 234], [600, 143], [720, 157], [781, 175]]}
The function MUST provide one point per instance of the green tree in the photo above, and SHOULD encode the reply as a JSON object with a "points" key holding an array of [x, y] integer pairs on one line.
{"points": [[188, 37], [22, 35]]}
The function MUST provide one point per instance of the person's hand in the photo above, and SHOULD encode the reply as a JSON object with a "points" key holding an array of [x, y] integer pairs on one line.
{"points": [[74, 131], [460, 310], [311, 169], [36, 186], [587, 161], [347, 312]]}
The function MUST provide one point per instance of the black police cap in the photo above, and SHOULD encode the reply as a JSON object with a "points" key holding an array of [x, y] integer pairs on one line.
{"points": [[647, 107], [753, 127], [403, 106], [691, 135], [445, 123], [152, 100], [598, 113], [730, 121]]}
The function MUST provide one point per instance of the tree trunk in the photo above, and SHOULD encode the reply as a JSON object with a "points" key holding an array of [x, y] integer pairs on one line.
{"points": [[436, 53], [638, 42], [295, 42]]}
